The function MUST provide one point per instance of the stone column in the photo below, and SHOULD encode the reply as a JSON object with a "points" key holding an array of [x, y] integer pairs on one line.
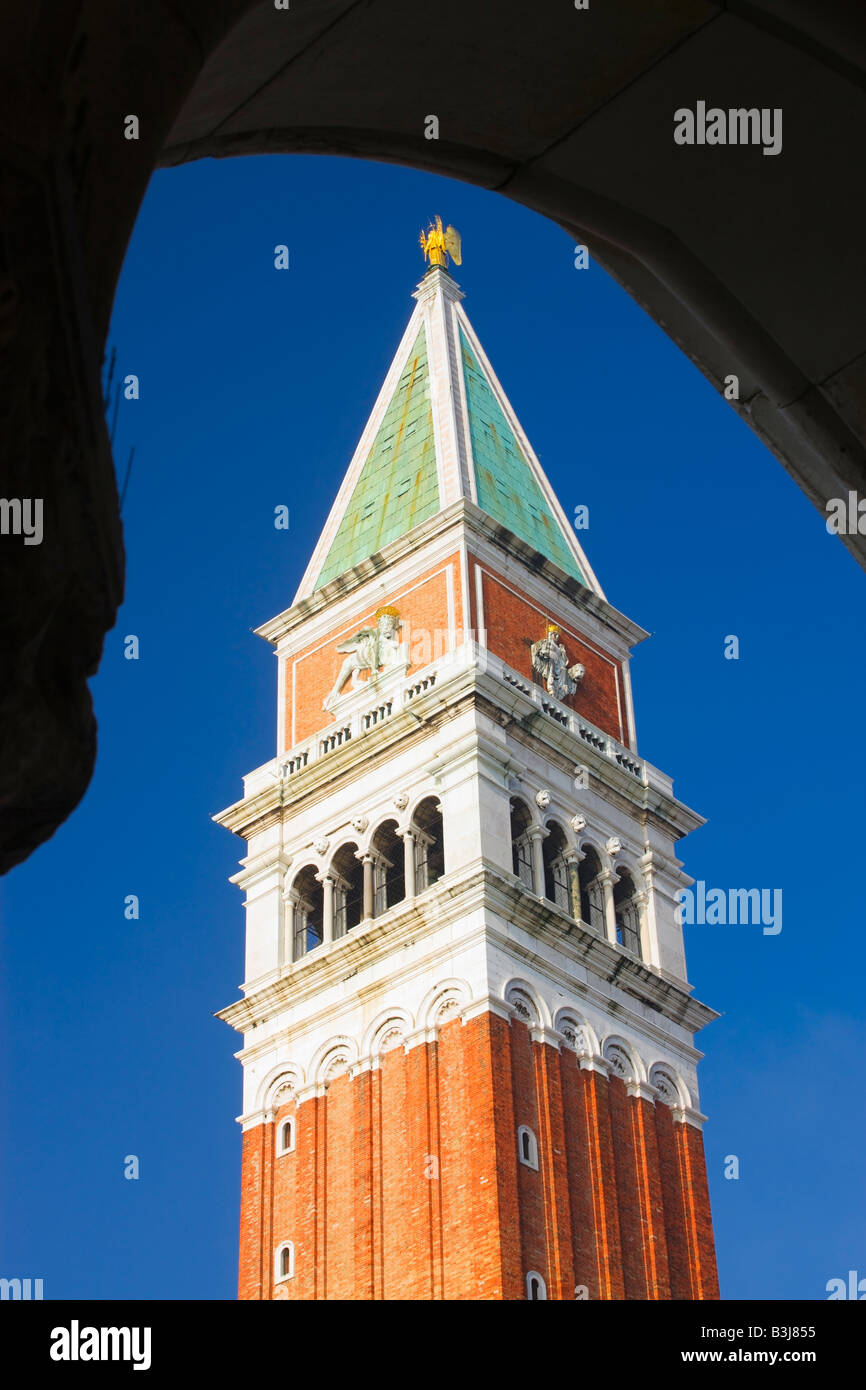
{"points": [[572, 859], [605, 878], [644, 897], [641, 902], [367, 910], [290, 902], [536, 835], [328, 886], [408, 838]]}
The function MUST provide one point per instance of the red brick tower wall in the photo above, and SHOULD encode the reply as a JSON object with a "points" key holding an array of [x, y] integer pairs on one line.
{"points": [[424, 611], [405, 1182], [513, 622]]}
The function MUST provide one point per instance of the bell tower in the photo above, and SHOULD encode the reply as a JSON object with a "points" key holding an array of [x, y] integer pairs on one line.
{"points": [[468, 1038]]}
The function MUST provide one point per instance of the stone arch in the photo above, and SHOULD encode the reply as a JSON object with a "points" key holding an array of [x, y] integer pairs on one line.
{"points": [[627, 916], [333, 1058], [523, 820], [671, 1088], [427, 825], [444, 1002], [309, 910], [389, 869], [553, 818], [286, 1075], [589, 871], [579, 1035], [556, 849], [527, 1003], [622, 1059], [390, 1021], [347, 871], [406, 818], [310, 861]]}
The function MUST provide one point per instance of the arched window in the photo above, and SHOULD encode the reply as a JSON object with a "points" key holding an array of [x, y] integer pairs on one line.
{"points": [[626, 913], [285, 1136], [521, 846], [591, 893], [556, 882], [527, 1147], [284, 1261], [309, 912], [348, 874], [389, 879], [429, 844], [535, 1286]]}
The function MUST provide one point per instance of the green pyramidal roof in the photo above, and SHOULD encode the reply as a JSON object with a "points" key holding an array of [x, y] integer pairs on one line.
{"points": [[506, 486], [411, 470], [398, 486]]}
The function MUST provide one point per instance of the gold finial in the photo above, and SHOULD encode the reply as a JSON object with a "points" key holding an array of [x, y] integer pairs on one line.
{"points": [[441, 242]]}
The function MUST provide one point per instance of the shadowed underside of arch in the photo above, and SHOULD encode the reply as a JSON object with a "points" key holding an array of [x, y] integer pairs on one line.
{"points": [[752, 263]]}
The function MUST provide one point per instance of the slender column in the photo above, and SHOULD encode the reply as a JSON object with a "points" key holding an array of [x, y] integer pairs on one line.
{"points": [[536, 835], [328, 886], [408, 838], [605, 878], [367, 861], [641, 901], [572, 859], [290, 902]]}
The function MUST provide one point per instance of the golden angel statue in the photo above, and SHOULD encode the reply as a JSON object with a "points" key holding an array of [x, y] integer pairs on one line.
{"points": [[441, 242]]}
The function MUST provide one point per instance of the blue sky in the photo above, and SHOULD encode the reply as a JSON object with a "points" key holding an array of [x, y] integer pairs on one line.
{"points": [[255, 385]]}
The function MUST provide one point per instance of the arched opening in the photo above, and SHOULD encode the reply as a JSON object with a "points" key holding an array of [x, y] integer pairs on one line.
{"points": [[536, 1289], [626, 913], [591, 893], [347, 871], [285, 1136], [429, 843], [527, 1147], [389, 875], [285, 1261], [521, 845], [309, 912], [557, 888]]}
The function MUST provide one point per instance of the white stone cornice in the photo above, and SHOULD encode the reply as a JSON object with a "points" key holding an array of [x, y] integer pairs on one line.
{"points": [[473, 755], [454, 901], [255, 1117], [540, 1034], [681, 1114], [594, 1064], [684, 1114], [641, 1089], [488, 1004], [261, 872], [361, 586]]}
